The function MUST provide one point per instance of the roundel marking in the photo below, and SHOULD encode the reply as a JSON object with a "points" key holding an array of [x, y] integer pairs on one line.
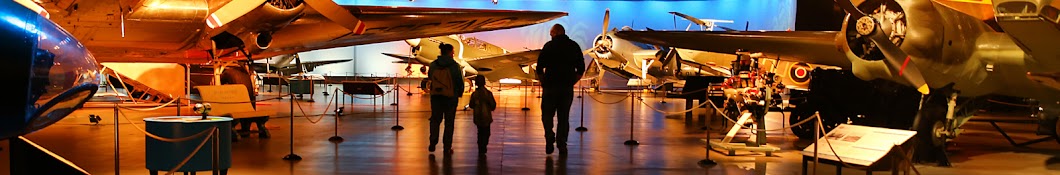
{"points": [[799, 73]]}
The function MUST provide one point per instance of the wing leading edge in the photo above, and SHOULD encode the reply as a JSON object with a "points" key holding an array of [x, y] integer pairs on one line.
{"points": [[802, 46]]}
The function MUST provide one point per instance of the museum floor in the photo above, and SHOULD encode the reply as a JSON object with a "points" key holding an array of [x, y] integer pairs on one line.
{"points": [[670, 144]]}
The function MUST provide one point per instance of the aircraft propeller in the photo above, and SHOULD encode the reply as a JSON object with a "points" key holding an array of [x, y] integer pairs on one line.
{"points": [[870, 28]]}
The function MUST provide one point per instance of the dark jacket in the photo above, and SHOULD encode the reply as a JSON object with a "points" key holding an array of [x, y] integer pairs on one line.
{"points": [[483, 104], [560, 63], [454, 71]]}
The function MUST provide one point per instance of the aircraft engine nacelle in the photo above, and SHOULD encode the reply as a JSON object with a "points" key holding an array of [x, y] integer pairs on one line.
{"points": [[51, 73], [918, 29], [254, 29]]}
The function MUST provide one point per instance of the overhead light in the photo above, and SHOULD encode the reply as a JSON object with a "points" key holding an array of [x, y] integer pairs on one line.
{"points": [[494, 1]]}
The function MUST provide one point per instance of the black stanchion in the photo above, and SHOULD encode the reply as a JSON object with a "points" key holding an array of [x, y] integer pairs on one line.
{"points": [[707, 161], [116, 140], [214, 157], [292, 156], [397, 89], [397, 113], [581, 125], [338, 112], [632, 105], [525, 107]]}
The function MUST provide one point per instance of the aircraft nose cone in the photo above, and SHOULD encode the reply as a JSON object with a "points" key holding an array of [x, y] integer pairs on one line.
{"points": [[413, 42]]}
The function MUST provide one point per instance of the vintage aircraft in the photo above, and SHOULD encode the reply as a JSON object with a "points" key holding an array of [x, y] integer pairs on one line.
{"points": [[476, 56], [291, 63], [220, 32], [952, 52], [643, 64]]}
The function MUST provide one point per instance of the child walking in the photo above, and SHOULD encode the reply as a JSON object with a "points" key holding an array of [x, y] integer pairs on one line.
{"points": [[483, 104]]}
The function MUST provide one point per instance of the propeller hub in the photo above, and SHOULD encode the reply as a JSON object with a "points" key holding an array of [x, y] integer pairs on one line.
{"points": [[865, 25]]}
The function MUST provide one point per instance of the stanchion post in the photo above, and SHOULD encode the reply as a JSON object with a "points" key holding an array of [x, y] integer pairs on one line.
{"points": [[707, 161], [397, 114], [116, 140], [632, 108], [525, 104], [214, 155], [292, 156], [816, 137], [581, 125], [397, 89], [338, 112]]}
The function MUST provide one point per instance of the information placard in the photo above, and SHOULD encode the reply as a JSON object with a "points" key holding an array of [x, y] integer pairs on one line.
{"points": [[860, 145]]}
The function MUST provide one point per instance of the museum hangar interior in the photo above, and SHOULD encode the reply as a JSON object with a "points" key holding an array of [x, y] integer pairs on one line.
{"points": [[656, 87]]}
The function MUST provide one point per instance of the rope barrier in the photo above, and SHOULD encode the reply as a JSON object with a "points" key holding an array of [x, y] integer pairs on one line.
{"points": [[150, 109], [744, 127], [240, 102], [392, 89], [196, 151], [159, 137], [678, 112], [598, 100], [299, 104]]}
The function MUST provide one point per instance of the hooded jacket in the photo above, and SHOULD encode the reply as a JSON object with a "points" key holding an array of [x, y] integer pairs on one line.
{"points": [[560, 63], [455, 71]]}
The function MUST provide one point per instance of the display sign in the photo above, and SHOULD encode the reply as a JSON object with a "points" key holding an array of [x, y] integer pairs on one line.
{"points": [[860, 145]]}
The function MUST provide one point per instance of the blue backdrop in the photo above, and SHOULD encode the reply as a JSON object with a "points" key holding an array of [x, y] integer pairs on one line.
{"points": [[583, 23]]}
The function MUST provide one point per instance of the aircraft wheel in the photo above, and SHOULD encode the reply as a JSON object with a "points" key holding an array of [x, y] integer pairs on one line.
{"points": [[930, 145]]}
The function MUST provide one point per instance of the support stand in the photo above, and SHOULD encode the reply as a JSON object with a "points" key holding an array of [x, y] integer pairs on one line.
{"points": [[632, 105], [338, 112], [581, 125], [397, 113], [707, 161], [755, 145], [292, 156]]}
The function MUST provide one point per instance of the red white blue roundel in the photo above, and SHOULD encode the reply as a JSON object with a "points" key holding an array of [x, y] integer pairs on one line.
{"points": [[800, 73]]}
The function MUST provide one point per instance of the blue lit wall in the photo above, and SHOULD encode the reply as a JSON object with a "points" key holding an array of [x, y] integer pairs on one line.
{"points": [[584, 22]]}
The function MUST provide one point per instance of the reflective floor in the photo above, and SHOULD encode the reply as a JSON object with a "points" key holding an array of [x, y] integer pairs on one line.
{"points": [[669, 144]]}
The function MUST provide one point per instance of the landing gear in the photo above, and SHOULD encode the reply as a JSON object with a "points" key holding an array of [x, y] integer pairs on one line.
{"points": [[932, 130]]}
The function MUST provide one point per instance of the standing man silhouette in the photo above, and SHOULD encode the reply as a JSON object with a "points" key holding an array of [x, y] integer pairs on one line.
{"points": [[559, 66]]}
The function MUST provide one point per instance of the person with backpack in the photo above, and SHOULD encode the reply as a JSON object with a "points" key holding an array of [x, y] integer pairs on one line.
{"points": [[559, 66], [483, 104], [446, 87]]}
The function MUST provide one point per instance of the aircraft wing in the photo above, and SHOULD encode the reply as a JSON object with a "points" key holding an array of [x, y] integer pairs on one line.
{"points": [[505, 66], [383, 24], [404, 59], [801, 46], [309, 66]]}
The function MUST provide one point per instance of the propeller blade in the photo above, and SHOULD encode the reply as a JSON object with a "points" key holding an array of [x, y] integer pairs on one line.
{"points": [[587, 51], [899, 60], [850, 8], [690, 18], [231, 11], [607, 20], [329, 9]]}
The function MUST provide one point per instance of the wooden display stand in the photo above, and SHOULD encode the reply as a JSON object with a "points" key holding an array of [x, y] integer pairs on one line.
{"points": [[731, 148]]}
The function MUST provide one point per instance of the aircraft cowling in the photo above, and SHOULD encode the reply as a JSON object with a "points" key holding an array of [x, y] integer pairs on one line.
{"points": [[51, 72], [254, 29], [916, 32]]}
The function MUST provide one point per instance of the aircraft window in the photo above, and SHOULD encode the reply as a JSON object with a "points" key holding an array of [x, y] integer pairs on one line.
{"points": [[1051, 13], [1017, 7], [60, 63]]}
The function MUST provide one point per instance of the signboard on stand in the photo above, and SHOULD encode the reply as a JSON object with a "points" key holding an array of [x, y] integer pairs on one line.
{"points": [[860, 145]]}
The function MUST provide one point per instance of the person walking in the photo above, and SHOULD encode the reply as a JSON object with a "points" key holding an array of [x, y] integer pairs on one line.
{"points": [[446, 88], [559, 66], [483, 104]]}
